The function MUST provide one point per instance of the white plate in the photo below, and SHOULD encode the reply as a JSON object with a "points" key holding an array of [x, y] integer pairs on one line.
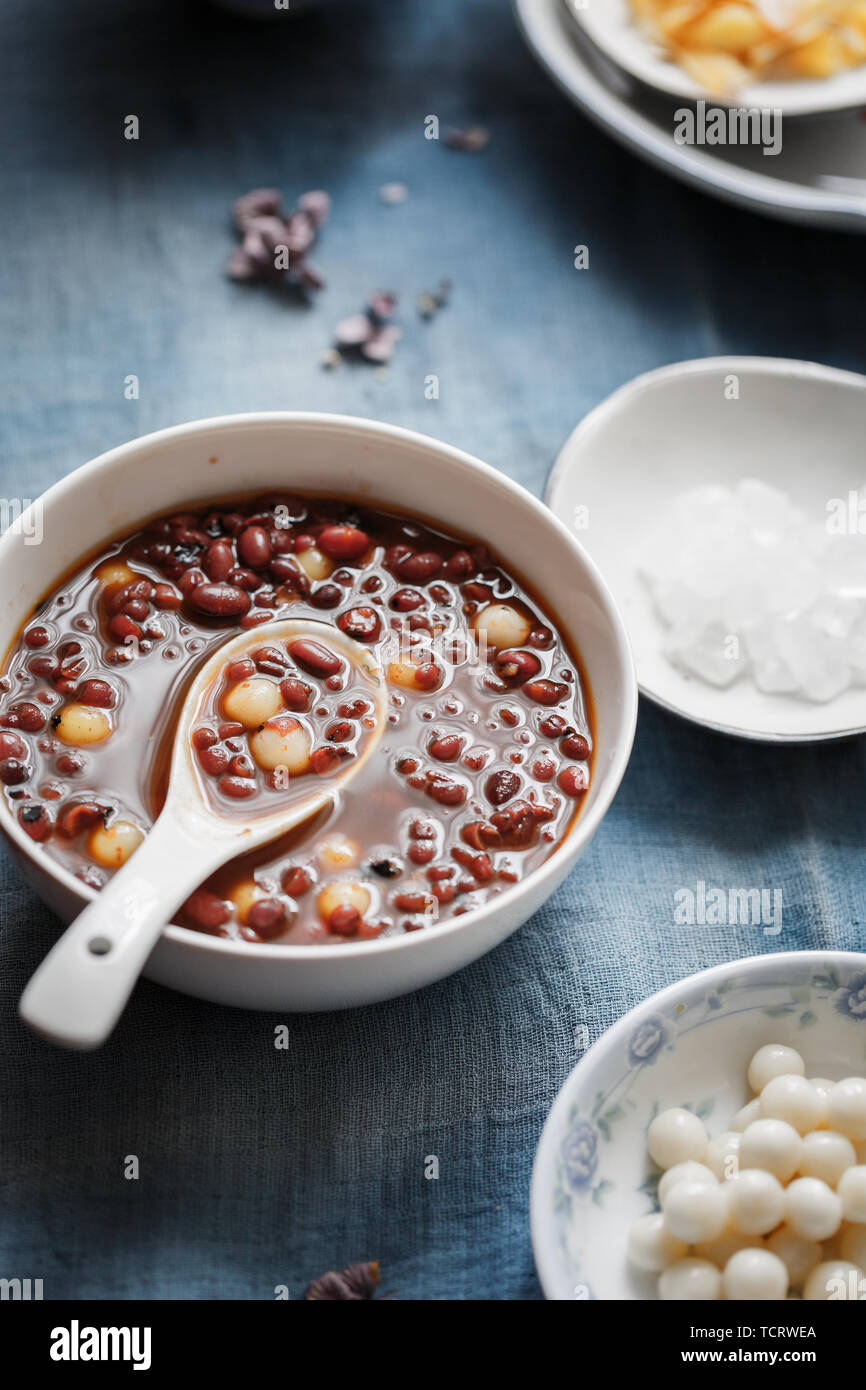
{"points": [[610, 25], [689, 1045], [819, 177], [796, 425]]}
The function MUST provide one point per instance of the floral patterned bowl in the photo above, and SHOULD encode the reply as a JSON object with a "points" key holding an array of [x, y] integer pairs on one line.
{"points": [[689, 1045]]}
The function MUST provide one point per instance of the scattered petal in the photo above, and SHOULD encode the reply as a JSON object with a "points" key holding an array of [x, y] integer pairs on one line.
{"points": [[381, 305], [331, 358], [392, 194], [260, 202], [473, 138], [380, 347], [356, 1282], [353, 331], [317, 205]]}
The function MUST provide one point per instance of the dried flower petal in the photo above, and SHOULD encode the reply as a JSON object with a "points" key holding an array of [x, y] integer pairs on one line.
{"points": [[356, 1282], [261, 202], [380, 347], [473, 138], [299, 233], [392, 194], [353, 331], [381, 305], [317, 205], [239, 266]]}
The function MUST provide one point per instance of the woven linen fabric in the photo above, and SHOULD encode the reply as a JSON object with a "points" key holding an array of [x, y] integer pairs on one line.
{"points": [[261, 1167]]}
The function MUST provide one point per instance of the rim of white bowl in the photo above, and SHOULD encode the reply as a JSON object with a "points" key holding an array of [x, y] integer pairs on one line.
{"points": [[770, 963], [791, 367], [612, 774]]}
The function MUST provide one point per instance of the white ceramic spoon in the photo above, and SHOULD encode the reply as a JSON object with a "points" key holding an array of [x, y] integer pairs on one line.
{"points": [[77, 994]]}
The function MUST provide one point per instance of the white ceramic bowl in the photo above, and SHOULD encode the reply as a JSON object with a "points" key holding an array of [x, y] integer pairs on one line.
{"points": [[796, 425], [688, 1045], [609, 24], [377, 463]]}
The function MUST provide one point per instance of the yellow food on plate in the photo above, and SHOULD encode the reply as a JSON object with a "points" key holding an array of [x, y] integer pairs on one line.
{"points": [[724, 44]]}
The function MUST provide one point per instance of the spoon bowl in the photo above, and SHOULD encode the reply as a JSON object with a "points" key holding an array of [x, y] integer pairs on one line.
{"points": [[80, 989]]}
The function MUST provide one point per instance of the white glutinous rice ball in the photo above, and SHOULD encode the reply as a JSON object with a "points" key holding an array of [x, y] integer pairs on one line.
{"points": [[812, 1209], [651, 1246], [747, 1116], [695, 1211], [852, 1192], [720, 1250], [685, 1172], [846, 1107], [826, 1155], [774, 1145], [756, 1201], [755, 1274], [794, 1099], [798, 1255], [834, 1280], [675, 1136], [691, 1279], [771, 1060], [722, 1156]]}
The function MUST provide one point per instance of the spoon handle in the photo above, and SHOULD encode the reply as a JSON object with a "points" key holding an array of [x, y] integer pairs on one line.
{"points": [[79, 990]]}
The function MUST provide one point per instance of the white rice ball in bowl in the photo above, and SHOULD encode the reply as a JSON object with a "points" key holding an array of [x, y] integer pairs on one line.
{"points": [[687, 1047]]}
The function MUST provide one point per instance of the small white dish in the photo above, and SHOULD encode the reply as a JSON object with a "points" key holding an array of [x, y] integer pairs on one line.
{"points": [[817, 177], [362, 459], [611, 26], [689, 1045], [798, 426]]}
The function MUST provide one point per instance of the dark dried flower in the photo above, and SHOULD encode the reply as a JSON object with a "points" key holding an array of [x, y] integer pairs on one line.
{"points": [[370, 335], [429, 302], [472, 138], [265, 230], [355, 1282]]}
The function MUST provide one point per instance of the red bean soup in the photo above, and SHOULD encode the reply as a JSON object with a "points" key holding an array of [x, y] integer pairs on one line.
{"points": [[482, 767]]}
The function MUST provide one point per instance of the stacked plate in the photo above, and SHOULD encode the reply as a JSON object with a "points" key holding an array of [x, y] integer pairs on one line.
{"points": [[811, 167]]}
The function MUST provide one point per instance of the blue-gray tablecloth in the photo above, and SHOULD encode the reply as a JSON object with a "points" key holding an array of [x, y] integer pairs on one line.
{"points": [[261, 1167]]}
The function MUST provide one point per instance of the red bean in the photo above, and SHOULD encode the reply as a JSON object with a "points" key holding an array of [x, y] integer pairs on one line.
{"points": [[203, 737], [353, 709], [541, 637], [361, 624], [516, 667], [326, 596], [406, 600], [288, 572], [543, 769], [220, 600], [240, 670], [255, 618], [36, 821], [267, 917], [11, 746], [343, 543], [421, 852], [552, 725], [420, 568], [230, 729], [501, 786], [545, 692], [241, 766], [325, 760], [413, 902], [479, 865], [207, 909], [296, 882], [271, 661], [575, 746], [340, 732], [573, 780], [428, 676], [236, 787], [459, 566], [254, 547], [164, 596], [446, 748], [517, 826], [121, 627], [218, 560], [481, 835], [47, 668], [26, 716], [81, 816], [445, 791], [37, 637], [190, 580], [315, 658], [443, 893], [296, 694], [344, 920], [214, 761], [98, 694], [13, 771]]}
